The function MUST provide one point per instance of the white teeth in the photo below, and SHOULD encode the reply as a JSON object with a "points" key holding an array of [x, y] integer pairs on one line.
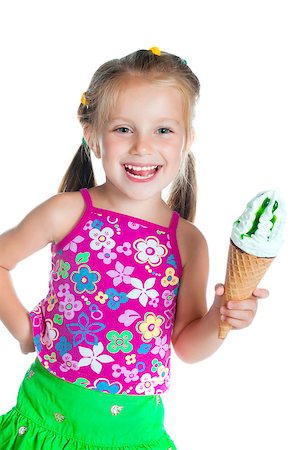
{"points": [[137, 168], [140, 176]]}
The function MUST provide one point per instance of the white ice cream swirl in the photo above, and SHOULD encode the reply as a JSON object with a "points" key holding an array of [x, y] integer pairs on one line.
{"points": [[259, 230]]}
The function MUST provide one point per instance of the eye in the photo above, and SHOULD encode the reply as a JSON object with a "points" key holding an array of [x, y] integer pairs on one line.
{"points": [[123, 130], [164, 130]]}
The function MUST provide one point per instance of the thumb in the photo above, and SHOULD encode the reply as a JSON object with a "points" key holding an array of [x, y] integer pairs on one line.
{"points": [[219, 291]]}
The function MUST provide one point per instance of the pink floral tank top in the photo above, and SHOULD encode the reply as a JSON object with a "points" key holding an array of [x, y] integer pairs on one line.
{"points": [[107, 321]]}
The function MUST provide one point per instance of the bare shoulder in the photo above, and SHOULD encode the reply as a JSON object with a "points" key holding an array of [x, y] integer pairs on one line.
{"points": [[190, 240], [65, 210], [48, 222]]}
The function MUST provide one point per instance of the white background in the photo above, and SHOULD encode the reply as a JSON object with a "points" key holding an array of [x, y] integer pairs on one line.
{"points": [[245, 55]]}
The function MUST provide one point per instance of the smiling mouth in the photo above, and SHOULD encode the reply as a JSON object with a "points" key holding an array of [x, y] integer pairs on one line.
{"points": [[141, 172]]}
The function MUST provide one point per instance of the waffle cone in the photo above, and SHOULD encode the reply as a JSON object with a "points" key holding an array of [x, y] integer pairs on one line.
{"points": [[243, 274]]}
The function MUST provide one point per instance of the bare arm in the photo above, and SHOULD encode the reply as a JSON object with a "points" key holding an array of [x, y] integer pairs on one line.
{"points": [[195, 335], [47, 223], [195, 332]]}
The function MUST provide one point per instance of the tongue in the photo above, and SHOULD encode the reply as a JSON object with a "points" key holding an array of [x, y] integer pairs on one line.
{"points": [[142, 173]]}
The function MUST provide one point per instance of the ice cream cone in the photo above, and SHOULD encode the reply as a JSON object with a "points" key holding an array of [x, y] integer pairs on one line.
{"points": [[243, 274]]}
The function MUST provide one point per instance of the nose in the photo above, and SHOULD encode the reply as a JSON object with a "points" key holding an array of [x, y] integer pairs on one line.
{"points": [[142, 145]]}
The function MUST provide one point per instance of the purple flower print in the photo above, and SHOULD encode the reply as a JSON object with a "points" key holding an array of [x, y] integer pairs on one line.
{"points": [[161, 347], [128, 317], [117, 370], [63, 290], [168, 297], [133, 225], [68, 363], [154, 302], [125, 248], [107, 255], [72, 246], [130, 375], [88, 225], [69, 305], [120, 273]]}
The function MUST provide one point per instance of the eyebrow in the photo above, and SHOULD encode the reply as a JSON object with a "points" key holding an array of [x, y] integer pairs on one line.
{"points": [[161, 119]]}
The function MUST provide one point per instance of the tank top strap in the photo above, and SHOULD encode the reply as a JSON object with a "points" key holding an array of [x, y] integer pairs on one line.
{"points": [[174, 221], [87, 197]]}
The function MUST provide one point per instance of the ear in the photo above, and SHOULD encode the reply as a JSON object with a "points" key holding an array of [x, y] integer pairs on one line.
{"points": [[92, 143]]}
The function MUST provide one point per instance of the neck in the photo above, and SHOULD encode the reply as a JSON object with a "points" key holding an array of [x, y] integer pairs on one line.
{"points": [[145, 208]]}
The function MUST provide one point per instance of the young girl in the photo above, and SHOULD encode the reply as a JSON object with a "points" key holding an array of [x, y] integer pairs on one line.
{"points": [[129, 271]]}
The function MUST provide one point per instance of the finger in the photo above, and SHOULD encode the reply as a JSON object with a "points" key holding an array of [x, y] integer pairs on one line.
{"points": [[237, 314], [261, 293], [219, 289], [249, 304], [235, 323]]}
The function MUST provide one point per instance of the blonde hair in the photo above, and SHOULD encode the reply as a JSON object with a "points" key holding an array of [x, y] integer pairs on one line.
{"points": [[102, 95]]}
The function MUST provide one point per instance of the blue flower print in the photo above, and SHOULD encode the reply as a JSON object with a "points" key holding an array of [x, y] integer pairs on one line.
{"points": [[63, 346], [116, 298], [104, 386], [85, 279], [83, 331], [97, 224], [37, 342]]}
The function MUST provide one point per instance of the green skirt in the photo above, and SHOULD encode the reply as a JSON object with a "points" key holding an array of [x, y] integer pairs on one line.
{"points": [[53, 414]]}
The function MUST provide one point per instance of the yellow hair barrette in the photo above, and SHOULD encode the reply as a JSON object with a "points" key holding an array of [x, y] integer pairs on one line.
{"points": [[155, 50], [84, 101]]}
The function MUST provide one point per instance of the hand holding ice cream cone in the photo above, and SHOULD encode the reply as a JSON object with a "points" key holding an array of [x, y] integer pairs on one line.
{"points": [[255, 241]]}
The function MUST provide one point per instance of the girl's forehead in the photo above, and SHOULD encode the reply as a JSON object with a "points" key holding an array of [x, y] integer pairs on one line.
{"points": [[148, 94]]}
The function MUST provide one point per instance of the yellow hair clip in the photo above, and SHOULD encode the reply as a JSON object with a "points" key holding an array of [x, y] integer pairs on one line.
{"points": [[84, 101], [155, 50]]}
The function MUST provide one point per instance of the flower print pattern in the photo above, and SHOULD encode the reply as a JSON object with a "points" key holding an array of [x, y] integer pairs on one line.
{"points": [[150, 327], [63, 346], [94, 357], [119, 341], [143, 292], [102, 238], [63, 290], [161, 347], [72, 246], [170, 278], [51, 334], [125, 248], [130, 375], [116, 298], [85, 279], [52, 300], [103, 385], [68, 363], [107, 256], [107, 321], [150, 251], [63, 269], [120, 274], [69, 306], [147, 385], [168, 297], [85, 331], [101, 297]]}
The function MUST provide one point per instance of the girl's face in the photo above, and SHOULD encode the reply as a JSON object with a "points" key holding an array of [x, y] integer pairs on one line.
{"points": [[142, 143]]}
